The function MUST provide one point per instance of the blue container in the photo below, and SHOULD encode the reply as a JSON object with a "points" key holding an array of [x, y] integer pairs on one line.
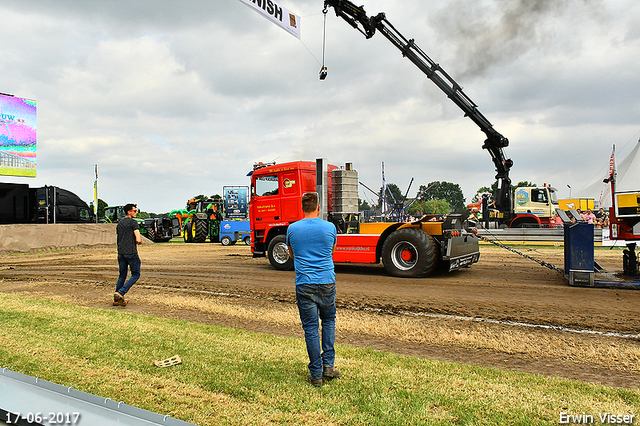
{"points": [[579, 253]]}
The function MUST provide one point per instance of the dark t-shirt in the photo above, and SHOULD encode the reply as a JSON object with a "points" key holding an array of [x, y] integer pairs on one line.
{"points": [[126, 237]]}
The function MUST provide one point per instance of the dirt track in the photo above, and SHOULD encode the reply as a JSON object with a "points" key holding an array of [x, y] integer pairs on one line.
{"points": [[502, 286]]}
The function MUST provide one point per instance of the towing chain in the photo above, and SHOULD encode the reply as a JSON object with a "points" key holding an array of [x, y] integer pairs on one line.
{"points": [[541, 262]]}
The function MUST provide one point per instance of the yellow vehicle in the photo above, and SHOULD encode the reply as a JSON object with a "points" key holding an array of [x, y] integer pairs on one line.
{"points": [[581, 204]]}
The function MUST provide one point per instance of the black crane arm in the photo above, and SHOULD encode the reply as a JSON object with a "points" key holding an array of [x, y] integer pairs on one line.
{"points": [[495, 142]]}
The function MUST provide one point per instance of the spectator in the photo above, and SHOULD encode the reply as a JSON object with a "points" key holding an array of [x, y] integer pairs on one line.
{"points": [[311, 243], [589, 217], [129, 237]]}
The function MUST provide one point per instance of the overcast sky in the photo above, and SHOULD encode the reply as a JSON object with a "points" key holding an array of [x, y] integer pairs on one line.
{"points": [[175, 99]]}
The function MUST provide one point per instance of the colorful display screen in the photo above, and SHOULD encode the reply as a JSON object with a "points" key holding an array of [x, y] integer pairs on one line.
{"points": [[17, 136], [235, 202]]}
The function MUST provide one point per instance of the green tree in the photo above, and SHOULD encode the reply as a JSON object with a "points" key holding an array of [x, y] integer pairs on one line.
{"points": [[494, 188], [419, 208], [448, 191], [363, 205], [484, 190], [393, 193], [101, 206]]}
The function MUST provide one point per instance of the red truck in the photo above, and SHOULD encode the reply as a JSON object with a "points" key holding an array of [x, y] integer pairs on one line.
{"points": [[415, 249]]}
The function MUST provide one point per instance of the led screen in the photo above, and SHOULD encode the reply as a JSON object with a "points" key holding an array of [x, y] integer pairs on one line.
{"points": [[235, 202], [17, 136]]}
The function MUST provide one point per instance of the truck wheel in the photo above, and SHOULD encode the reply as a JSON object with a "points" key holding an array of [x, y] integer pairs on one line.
{"points": [[278, 253], [225, 241], [200, 235], [525, 223], [247, 240], [410, 253]]}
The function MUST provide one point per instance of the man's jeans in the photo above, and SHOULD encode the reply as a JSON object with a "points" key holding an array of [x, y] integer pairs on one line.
{"points": [[126, 261], [318, 302]]}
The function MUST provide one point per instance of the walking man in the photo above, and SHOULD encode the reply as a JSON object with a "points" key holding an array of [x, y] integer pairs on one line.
{"points": [[129, 237], [311, 243]]}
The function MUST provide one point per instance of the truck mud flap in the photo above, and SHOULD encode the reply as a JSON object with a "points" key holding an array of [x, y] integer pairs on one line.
{"points": [[461, 262], [462, 251]]}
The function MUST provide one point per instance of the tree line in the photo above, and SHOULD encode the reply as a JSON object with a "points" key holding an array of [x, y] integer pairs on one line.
{"points": [[437, 197]]}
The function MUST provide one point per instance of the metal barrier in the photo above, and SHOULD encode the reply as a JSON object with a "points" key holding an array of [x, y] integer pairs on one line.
{"points": [[532, 235], [27, 400]]}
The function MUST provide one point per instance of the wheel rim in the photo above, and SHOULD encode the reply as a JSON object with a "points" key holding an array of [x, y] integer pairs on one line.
{"points": [[404, 255], [281, 253]]}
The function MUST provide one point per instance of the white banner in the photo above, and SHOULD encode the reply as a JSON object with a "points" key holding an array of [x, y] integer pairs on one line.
{"points": [[277, 14]]}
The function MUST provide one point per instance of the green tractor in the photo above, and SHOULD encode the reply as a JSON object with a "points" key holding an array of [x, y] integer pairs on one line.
{"points": [[158, 230], [202, 221]]}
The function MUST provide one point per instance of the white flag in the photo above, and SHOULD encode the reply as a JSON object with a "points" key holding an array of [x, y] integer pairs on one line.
{"points": [[277, 14]]}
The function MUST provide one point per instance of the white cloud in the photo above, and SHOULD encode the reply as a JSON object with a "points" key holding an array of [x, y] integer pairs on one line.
{"points": [[173, 100]]}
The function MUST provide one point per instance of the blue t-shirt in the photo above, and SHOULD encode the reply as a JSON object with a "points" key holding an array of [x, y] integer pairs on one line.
{"points": [[312, 241]]}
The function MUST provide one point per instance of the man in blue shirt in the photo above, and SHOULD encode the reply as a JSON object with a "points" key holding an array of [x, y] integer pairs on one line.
{"points": [[312, 242]]}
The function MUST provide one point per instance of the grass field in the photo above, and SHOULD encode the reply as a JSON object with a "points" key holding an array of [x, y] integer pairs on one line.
{"points": [[236, 377]]}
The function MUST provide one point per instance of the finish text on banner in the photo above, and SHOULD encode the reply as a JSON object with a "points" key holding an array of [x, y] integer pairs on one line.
{"points": [[277, 14]]}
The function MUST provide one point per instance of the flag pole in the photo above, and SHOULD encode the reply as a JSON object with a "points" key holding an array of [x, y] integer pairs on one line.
{"points": [[95, 194]]}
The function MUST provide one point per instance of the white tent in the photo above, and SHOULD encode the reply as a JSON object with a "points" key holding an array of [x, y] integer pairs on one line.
{"points": [[627, 179], [629, 172]]}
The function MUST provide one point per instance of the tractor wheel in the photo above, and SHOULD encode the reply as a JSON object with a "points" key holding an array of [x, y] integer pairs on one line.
{"points": [[226, 241], [278, 253], [247, 240], [187, 232], [201, 230], [410, 253], [151, 234]]}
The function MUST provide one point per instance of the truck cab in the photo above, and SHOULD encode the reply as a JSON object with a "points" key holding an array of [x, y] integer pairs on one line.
{"points": [[276, 191], [533, 206]]}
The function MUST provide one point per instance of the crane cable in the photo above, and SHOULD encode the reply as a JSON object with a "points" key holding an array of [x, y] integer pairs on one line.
{"points": [[323, 70]]}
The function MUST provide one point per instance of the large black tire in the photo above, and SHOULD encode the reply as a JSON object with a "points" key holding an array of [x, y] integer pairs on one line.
{"points": [[525, 223], [201, 230], [247, 240], [410, 253], [151, 234], [278, 253], [187, 232], [225, 241]]}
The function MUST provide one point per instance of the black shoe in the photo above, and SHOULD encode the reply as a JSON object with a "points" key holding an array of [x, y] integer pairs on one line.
{"points": [[315, 382], [330, 372]]}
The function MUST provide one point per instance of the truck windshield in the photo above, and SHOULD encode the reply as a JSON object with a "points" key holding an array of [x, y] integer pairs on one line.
{"points": [[266, 185]]}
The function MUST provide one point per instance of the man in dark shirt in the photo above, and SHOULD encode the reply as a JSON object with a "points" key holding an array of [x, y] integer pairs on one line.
{"points": [[129, 237]]}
